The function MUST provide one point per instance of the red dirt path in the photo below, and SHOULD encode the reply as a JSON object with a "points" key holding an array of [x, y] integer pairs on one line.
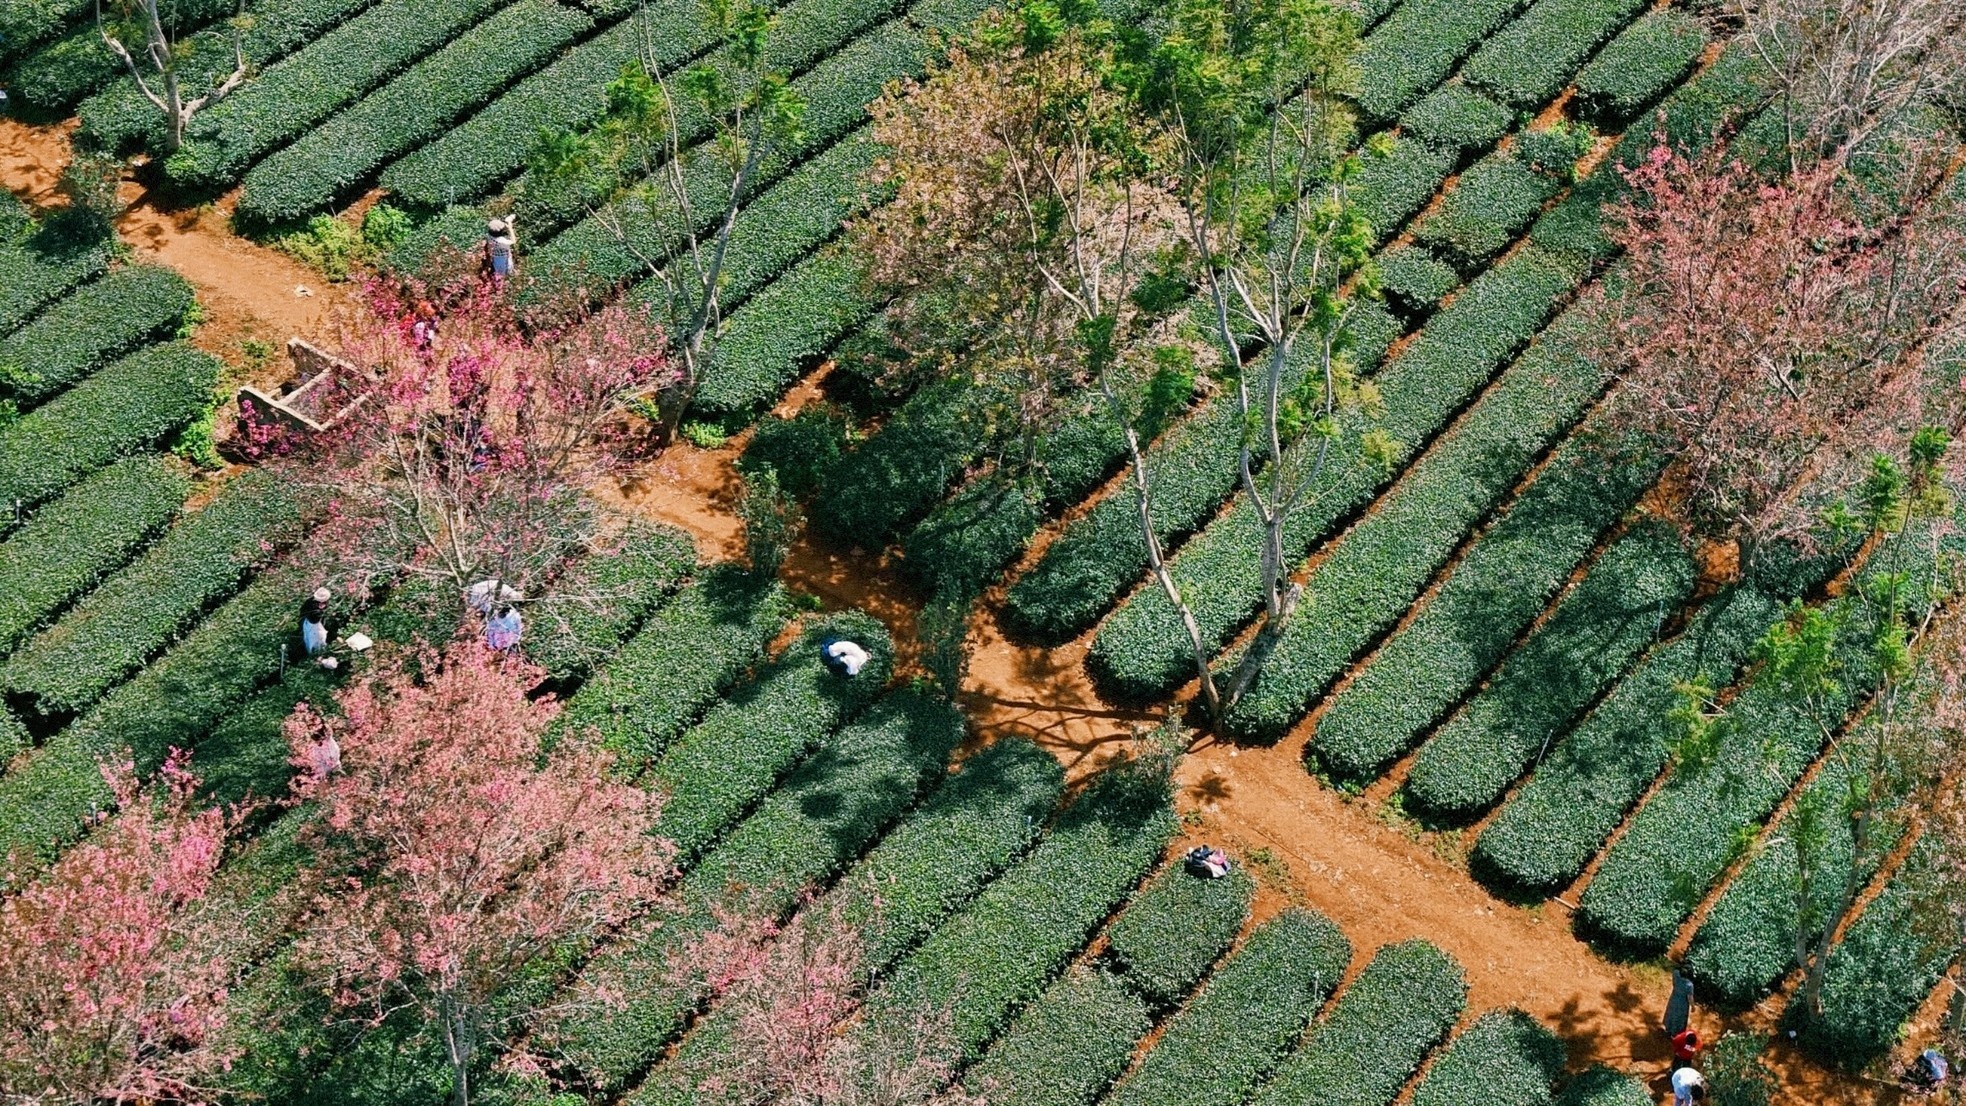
{"points": [[1379, 881]]}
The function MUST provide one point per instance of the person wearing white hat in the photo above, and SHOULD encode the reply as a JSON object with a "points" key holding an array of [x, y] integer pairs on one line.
{"points": [[314, 622], [499, 244]]}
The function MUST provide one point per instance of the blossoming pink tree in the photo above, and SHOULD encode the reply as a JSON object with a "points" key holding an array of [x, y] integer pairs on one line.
{"points": [[1771, 336], [109, 990], [456, 849], [484, 422]]}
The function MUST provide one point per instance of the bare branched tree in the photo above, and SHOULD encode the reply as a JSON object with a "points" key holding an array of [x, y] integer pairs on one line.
{"points": [[144, 44]]}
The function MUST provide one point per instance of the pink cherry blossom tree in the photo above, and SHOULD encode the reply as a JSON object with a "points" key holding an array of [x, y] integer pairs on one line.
{"points": [[109, 988], [456, 848], [485, 419], [1771, 336]]}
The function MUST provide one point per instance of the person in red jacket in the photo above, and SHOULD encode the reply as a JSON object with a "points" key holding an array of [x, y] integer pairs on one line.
{"points": [[1685, 1048]]}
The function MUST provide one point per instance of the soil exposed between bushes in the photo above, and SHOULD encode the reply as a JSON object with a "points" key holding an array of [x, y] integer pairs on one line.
{"points": [[1380, 881]]}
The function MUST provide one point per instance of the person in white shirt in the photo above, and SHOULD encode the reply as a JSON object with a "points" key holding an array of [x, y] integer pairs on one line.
{"points": [[845, 657], [1689, 1087]]}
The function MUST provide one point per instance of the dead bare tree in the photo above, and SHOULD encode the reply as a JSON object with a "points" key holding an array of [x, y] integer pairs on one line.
{"points": [[1847, 70], [154, 65]]}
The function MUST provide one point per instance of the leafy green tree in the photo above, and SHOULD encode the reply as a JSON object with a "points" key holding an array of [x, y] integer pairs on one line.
{"points": [[678, 189]]}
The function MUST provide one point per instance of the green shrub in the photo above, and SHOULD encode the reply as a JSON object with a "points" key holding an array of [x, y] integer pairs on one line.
{"points": [[1689, 830], [933, 862], [1639, 65], [1457, 120], [472, 158], [893, 476], [1374, 1039], [297, 93], [1365, 584], [118, 117], [1000, 951], [204, 559], [1530, 61], [692, 649], [837, 92], [14, 738], [1248, 1014], [1600, 1086], [1175, 929], [601, 600], [1418, 45], [1718, 96], [1415, 279], [73, 542], [803, 450], [1499, 587], [1069, 1044], [1390, 190], [859, 781], [42, 266], [328, 162], [128, 407], [47, 798], [778, 333], [1505, 1056], [1886, 964], [1486, 209], [1551, 826], [91, 326], [717, 770], [1572, 229], [25, 24], [1598, 629], [1555, 150], [970, 829], [1140, 650], [54, 77], [1747, 941]]}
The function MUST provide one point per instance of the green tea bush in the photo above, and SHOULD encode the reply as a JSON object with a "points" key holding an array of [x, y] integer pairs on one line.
{"points": [[118, 117], [966, 832], [1403, 1004], [299, 92], [1457, 119], [1488, 206], [1418, 45], [686, 655], [930, 864], [57, 75], [1175, 929], [1715, 98], [1594, 633], [893, 476], [1416, 280], [92, 326], [1499, 587], [716, 771], [1638, 66], [781, 331], [42, 267], [328, 162], [1069, 1044], [472, 158], [1886, 964], [597, 603], [1140, 651], [1243, 1020], [1550, 828], [204, 559], [1390, 190], [1687, 833], [127, 407], [47, 798], [1530, 61], [1601, 1086], [1747, 941], [1373, 575], [1001, 950], [1505, 1056], [14, 737], [25, 24], [803, 450], [72, 543]]}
